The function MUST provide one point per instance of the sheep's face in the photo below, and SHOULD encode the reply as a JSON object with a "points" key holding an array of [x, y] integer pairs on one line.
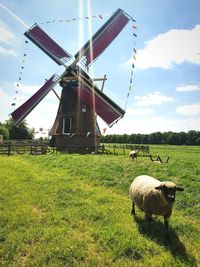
{"points": [[169, 190]]}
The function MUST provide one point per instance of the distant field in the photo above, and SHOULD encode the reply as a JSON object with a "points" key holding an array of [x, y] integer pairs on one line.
{"points": [[74, 210]]}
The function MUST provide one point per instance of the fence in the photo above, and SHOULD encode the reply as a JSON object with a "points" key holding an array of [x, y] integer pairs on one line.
{"points": [[13, 148], [32, 147], [125, 149]]}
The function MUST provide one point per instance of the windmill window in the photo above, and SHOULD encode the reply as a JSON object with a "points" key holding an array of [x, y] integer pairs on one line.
{"points": [[67, 125], [84, 108]]}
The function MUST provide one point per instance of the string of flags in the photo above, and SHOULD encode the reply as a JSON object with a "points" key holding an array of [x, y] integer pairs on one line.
{"points": [[76, 19], [18, 83], [133, 59]]}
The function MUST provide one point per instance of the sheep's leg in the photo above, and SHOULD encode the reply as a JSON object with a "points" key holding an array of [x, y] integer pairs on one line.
{"points": [[149, 219], [166, 223], [133, 208]]}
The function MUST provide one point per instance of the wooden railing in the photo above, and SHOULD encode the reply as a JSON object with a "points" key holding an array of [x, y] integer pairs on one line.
{"points": [[32, 149]]}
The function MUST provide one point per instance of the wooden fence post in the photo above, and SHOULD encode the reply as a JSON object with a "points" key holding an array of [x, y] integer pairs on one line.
{"points": [[9, 149]]}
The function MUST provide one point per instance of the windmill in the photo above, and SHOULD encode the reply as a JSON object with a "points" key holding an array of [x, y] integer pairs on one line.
{"points": [[75, 127]]}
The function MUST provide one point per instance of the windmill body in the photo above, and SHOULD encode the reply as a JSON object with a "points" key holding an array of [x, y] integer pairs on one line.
{"points": [[75, 127]]}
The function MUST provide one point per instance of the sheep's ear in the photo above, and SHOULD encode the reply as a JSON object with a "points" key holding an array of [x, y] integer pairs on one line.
{"points": [[158, 187], [179, 189]]}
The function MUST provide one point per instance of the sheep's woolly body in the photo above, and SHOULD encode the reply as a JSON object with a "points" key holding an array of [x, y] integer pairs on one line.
{"points": [[133, 154], [149, 199]]}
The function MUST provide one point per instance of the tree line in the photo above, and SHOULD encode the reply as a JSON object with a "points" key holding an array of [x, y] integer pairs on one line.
{"points": [[9, 131], [172, 138]]}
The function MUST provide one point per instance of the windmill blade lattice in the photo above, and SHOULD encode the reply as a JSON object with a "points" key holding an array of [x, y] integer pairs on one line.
{"points": [[48, 45], [21, 112], [102, 38]]}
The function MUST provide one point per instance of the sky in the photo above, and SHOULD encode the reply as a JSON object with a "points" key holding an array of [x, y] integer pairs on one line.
{"points": [[164, 90]]}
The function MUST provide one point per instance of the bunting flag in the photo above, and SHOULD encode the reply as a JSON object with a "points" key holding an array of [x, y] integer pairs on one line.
{"points": [[77, 19], [132, 66], [20, 74], [131, 75], [104, 130]]}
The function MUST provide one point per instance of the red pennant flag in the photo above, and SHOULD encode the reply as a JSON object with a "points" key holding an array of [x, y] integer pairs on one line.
{"points": [[100, 17], [134, 27]]}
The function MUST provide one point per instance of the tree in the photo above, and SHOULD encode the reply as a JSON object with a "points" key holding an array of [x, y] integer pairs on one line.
{"points": [[182, 138], [173, 139], [4, 131], [145, 138], [156, 138], [19, 132], [198, 141], [192, 136]]}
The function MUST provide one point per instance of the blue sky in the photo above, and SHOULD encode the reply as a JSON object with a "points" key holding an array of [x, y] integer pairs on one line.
{"points": [[165, 94]]}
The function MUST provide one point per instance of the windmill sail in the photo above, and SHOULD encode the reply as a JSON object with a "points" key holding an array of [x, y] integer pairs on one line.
{"points": [[47, 44], [21, 112], [103, 37]]}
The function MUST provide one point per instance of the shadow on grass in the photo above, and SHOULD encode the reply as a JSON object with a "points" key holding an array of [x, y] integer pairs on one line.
{"points": [[157, 233]]}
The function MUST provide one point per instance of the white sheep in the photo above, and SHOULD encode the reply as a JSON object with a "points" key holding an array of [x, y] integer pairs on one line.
{"points": [[153, 197], [133, 154]]}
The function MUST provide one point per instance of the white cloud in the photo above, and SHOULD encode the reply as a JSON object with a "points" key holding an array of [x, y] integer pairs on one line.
{"points": [[152, 99], [170, 48], [5, 106], [187, 88], [7, 52], [6, 36], [2, 93], [188, 110]]}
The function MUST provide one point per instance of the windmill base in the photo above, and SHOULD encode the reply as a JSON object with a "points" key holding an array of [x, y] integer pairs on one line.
{"points": [[75, 144]]}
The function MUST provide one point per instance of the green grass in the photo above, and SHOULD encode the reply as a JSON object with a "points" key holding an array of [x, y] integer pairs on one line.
{"points": [[74, 210]]}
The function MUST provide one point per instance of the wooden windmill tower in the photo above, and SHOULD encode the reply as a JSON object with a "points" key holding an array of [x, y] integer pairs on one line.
{"points": [[75, 127]]}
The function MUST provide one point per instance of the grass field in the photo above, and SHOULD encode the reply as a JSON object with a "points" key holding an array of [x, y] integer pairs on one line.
{"points": [[74, 210]]}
